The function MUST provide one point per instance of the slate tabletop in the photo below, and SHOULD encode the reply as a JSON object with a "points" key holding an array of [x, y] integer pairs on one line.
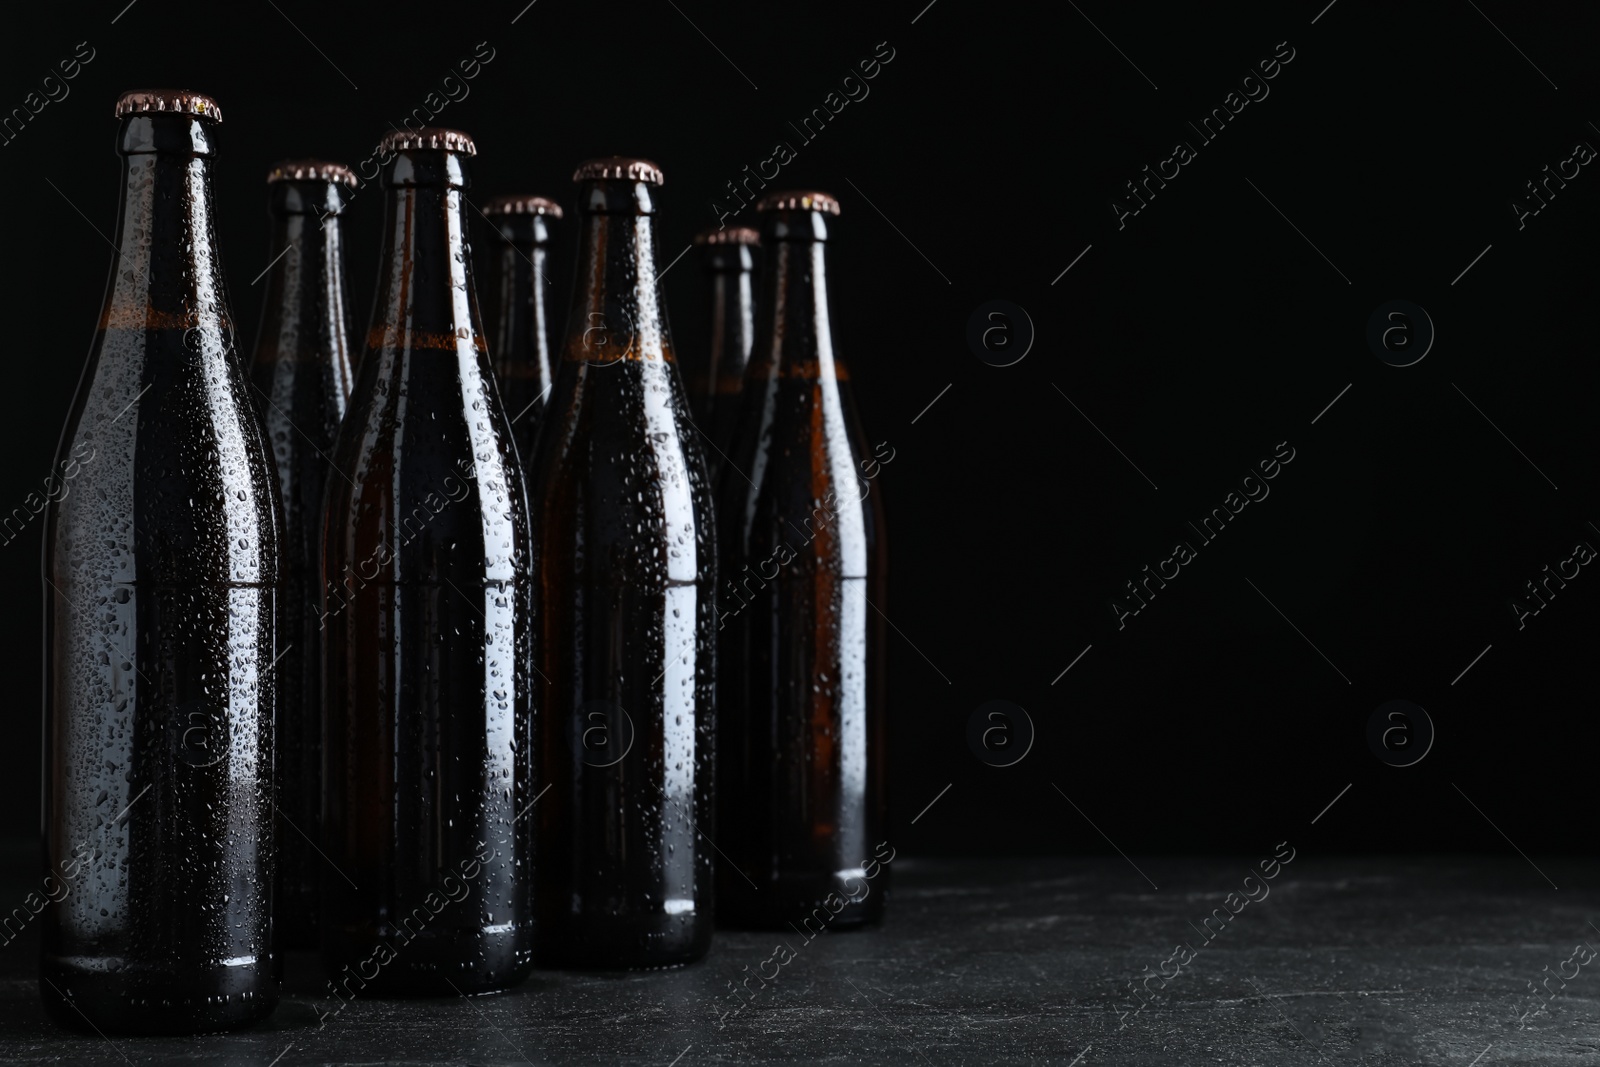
{"points": [[1442, 960]]}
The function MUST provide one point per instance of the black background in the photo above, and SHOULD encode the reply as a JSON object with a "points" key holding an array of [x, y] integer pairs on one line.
{"points": [[1196, 338]]}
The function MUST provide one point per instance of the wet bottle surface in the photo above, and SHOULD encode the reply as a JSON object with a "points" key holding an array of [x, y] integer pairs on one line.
{"points": [[728, 256], [161, 568], [426, 697], [522, 330], [301, 382], [800, 747], [624, 567]]}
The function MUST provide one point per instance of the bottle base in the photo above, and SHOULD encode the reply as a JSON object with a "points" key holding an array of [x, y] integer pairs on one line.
{"points": [[364, 962], [633, 943], [806, 905], [114, 996]]}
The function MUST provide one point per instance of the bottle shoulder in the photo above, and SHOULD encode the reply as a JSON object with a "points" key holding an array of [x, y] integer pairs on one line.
{"points": [[152, 498], [799, 479], [304, 402], [621, 500]]}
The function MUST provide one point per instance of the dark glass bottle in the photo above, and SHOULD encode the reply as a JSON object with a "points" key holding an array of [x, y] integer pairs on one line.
{"points": [[729, 259], [426, 697], [161, 574], [624, 567], [522, 333], [801, 692], [301, 379]]}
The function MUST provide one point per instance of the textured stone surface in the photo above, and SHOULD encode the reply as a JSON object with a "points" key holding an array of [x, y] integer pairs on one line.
{"points": [[1359, 960]]}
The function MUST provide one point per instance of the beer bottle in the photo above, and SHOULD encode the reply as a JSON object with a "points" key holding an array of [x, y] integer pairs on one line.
{"points": [[161, 575], [801, 689], [522, 334], [729, 259], [301, 379], [624, 567], [426, 614]]}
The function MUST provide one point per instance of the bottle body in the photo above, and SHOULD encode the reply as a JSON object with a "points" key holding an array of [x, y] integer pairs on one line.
{"points": [[161, 582], [730, 282], [426, 609], [800, 693], [624, 568], [301, 381], [521, 340]]}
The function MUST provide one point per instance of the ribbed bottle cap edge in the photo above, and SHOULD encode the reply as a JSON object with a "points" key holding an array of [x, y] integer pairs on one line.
{"points": [[180, 101]]}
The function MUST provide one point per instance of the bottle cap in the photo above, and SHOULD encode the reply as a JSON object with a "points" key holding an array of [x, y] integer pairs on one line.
{"points": [[427, 137], [733, 235], [311, 170], [808, 200], [620, 167], [182, 101], [522, 205]]}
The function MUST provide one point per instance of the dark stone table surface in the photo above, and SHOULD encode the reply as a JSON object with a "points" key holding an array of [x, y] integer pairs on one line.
{"points": [[1375, 960]]}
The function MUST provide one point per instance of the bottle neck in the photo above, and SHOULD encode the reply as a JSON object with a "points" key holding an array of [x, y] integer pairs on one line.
{"points": [[304, 316], [617, 314], [732, 318], [425, 297], [169, 273], [522, 345], [795, 331]]}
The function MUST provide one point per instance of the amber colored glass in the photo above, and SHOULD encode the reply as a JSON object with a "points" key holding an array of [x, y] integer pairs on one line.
{"points": [[301, 382], [522, 330], [161, 576], [800, 748], [730, 291], [624, 566], [426, 695]]}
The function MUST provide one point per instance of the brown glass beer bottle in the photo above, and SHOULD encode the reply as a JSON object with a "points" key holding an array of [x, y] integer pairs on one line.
{"points": [[800, 745], [301, 378], [728, 256], [426, 614], [624, 569], [161, 575], [522, 331]]}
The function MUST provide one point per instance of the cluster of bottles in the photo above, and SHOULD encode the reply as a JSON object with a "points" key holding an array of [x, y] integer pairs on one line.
{"points": [[429, 670]]}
